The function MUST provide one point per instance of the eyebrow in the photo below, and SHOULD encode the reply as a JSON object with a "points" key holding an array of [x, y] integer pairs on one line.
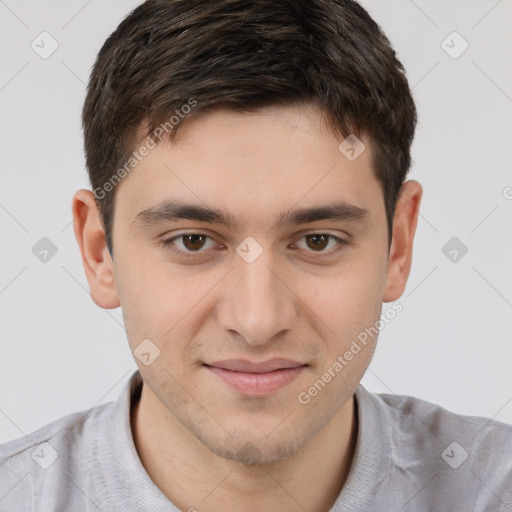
{"points": [[170, 210]]}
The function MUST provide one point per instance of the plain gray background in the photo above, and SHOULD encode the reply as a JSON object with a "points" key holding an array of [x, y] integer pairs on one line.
{"points": [[451, 344]]}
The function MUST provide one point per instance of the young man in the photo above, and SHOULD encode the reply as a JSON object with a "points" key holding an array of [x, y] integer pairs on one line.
{"points": [[250, 214]]}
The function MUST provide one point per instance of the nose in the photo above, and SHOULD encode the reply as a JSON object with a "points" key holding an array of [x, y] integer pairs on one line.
{"points": [[258, 302]]}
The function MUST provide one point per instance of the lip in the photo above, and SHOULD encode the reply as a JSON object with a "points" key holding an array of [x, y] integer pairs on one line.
{"points": [[241, 365], [257, 379]]}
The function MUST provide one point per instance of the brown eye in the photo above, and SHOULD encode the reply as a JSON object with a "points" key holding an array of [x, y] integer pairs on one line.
{"points": [[193, 242], [187, 244], [317, 241], [321, 243]]}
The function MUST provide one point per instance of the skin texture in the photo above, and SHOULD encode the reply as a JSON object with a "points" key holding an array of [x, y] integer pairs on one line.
{"points": [[203, 443]]}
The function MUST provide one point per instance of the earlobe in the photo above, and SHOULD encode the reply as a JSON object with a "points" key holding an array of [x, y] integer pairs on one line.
{"points": [[98, 264], [404, 229]]}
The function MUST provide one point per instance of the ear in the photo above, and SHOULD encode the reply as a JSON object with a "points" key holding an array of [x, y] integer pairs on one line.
{"points": [[404, 228], [90, 235]]}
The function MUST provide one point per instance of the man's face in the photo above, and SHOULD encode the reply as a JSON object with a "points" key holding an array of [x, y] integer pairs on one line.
{"points": [[263, 288]]}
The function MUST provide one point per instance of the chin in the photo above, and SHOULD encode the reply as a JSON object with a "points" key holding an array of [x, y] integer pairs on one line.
{"points": [[256, 453], [253, 447]]}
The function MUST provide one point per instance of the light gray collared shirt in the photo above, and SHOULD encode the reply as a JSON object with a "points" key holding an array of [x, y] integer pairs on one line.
{"points": [[411, 456]]}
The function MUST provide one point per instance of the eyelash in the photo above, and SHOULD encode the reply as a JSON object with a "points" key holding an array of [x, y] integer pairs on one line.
{"points": [[168, 244]]}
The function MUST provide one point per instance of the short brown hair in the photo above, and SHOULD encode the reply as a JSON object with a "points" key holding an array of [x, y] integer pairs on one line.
{"points": [[243, 55]]}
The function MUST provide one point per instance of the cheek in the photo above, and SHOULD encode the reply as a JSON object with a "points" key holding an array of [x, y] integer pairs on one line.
{"points": [[350, 306], [144, 296], [348, 300], [159, 301]]}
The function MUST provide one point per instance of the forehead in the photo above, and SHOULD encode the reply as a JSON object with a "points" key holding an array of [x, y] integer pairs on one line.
{"points": [[260, 161]]}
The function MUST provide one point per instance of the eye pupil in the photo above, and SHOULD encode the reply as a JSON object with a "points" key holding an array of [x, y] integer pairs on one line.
{"points": [[319, 241], [197, 241]]}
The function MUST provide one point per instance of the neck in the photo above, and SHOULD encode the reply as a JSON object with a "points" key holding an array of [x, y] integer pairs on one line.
{"points": [[195, 479]]}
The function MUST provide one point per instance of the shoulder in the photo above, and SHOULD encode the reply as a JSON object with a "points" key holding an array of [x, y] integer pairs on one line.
{"points": [[448, 455], [35, 464], [62, 433], [411, 415]]}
